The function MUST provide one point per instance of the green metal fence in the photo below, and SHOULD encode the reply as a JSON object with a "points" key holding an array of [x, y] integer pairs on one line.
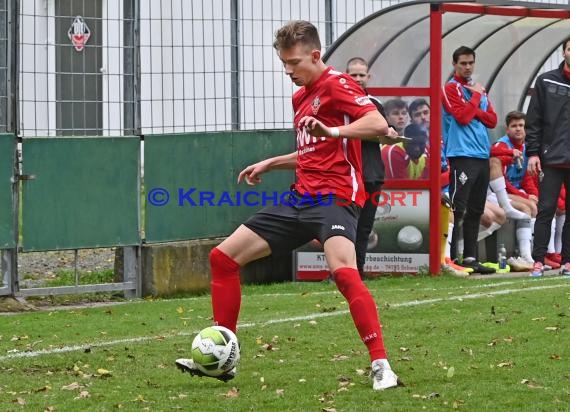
{"points": [[81, 192], [195, 176], [7, 213]]}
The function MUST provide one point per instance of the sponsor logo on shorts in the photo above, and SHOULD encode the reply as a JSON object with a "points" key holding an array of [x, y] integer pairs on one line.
{"points": [[337, 227]]}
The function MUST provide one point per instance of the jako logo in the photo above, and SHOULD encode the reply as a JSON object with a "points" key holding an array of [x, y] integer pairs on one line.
{"points": [[337, 227]]}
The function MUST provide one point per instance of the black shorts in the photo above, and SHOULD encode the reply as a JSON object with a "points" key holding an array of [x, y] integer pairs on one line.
{"points": [[287, 227]]}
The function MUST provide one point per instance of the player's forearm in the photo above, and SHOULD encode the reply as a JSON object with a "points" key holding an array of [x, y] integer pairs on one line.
{"points": [[288, 161], [368, 127]]}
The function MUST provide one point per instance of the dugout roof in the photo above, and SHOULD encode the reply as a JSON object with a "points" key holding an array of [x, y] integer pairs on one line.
{"points": [[512, 41], [409, 48]]}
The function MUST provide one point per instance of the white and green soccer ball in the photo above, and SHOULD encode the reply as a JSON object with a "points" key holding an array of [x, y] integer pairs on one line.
{"points": [[215, 350]]}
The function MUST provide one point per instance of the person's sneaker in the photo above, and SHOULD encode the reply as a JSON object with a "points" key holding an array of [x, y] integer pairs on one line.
{"points": [[565, 269], [551, 263], [188, 366], [454, 272], [383, 378], [477, 267], [537, 270], [497, 267], [519, 264], [456, 269], [555, 257]]}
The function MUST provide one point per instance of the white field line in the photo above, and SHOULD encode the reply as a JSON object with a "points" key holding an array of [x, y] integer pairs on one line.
{"points": [[300, 293], [74, 348]]}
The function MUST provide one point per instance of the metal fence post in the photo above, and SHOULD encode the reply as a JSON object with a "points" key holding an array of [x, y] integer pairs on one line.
{"points": [[235, 65], [328, 23], [132, 125], [9, 257]]}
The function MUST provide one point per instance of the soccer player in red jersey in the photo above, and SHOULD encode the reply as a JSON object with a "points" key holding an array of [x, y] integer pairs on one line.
{"points": [[331, 114]]}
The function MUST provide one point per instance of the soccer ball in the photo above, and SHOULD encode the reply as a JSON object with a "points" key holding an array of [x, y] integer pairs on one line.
{"points": [[215, 350], [410, 238]]}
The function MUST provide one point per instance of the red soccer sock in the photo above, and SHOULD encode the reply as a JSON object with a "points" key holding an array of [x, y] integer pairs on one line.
{"points": [[362, 309], [226, 289]]}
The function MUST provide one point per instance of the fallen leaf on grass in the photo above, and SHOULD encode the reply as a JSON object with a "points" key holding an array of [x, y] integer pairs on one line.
{"points": [[531, 385], [343, 381], [280, 392], [16, 338], [554, 356], [83, 395], [402, 349], [507, 364], [337, 358], [450, 372], [232, 393], [71, 387], [19, 401], [552, 328], [104, 373], [49, 409], [432, 395], [539, 319], [328, 410], [43, 389]]}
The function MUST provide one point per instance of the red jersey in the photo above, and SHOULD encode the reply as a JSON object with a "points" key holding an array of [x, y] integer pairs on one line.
{"points": [[399, 165], [505, 154], [330, 164]]}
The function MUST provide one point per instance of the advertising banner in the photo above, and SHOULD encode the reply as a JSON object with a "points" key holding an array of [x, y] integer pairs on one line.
{"points": [[398, 243]]}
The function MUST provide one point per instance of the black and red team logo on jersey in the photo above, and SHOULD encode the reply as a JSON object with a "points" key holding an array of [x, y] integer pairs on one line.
{"points": [[315, 105], [79, 33]]}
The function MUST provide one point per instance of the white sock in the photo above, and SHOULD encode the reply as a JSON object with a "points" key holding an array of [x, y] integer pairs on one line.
{"points": [[482, 233], [460, 245], [551, 248], [532, 222], [487, 231], [499, 187], [558, 233], [524, 236], [448, 242]]}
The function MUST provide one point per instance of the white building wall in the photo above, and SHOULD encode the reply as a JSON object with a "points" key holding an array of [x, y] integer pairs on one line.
{"points": [[185, 62]]}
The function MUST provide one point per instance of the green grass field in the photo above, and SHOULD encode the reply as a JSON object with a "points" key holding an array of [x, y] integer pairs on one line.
{"points": [[457, 344]]}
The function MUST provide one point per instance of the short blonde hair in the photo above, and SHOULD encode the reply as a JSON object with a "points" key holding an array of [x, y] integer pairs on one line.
{"points": [[297, 31]]}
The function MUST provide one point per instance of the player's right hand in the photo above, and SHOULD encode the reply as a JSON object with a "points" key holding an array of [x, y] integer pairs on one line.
{"points": [[252, 173], [534, 167]]}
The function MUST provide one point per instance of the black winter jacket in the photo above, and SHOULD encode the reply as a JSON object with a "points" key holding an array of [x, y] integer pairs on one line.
{"points": [[548, 119], [372, 165]]}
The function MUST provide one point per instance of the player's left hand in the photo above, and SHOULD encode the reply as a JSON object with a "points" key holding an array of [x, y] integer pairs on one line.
{"points": [[314, 127]]}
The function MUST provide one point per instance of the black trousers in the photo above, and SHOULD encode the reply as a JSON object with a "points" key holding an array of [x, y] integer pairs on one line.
{"points": [[549, 190], [469, 181], [365, 224]]}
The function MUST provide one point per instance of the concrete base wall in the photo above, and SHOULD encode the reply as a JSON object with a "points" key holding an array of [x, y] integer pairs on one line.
{"points": [[183, 268]]}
